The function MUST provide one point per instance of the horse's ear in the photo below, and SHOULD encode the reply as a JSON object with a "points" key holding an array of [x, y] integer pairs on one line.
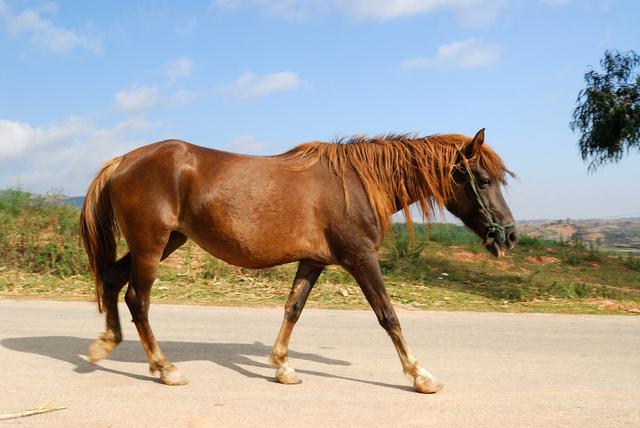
{"points": [[473, 148]]}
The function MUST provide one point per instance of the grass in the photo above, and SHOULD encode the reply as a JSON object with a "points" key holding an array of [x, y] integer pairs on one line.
{"points": [[444, 268]]}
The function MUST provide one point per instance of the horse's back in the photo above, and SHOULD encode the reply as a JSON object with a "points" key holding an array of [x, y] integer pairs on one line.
{"points": [[254, 211], [248, 210]]}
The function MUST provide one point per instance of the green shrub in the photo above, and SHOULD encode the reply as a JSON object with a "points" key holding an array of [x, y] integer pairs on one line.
{"points": [[403, 256], [593, 253], [531, 242], [38, 234], [632, 262], [582, 290], [572, 259], [450, 234]]}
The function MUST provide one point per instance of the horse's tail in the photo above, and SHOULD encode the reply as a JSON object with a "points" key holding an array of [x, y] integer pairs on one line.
{"points": [[98, 225]]}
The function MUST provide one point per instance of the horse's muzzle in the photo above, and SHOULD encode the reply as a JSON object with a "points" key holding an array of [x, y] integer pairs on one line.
{"points": [[496, 246]]}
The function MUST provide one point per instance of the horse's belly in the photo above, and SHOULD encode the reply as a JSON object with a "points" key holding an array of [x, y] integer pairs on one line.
{"points": [[249, 253], [256, 221], [258, 242]]}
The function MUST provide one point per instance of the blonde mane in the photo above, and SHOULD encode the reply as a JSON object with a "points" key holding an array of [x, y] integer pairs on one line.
{"points": [[399, 169]]}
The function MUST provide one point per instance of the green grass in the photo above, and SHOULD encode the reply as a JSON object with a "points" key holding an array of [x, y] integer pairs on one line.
{"points": [[37, 234], [444, 267]]}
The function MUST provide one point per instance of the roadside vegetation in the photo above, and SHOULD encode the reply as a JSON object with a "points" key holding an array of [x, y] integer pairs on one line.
{"points": [[445, 267]]}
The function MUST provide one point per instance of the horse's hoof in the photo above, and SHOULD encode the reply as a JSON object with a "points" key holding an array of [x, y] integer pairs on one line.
{"points": [[426, 384], [288, 376], [172, 377], [100, 349]]}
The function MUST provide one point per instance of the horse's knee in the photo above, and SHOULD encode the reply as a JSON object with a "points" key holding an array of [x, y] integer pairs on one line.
{"points": [[135, 304], [130, 298], [292, 312], [388, 320]]}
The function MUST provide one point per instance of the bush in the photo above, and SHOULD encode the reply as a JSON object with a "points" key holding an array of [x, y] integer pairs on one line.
{"points": [[38, 234], [632, 263], [531, 242], [450, 234], [401, 255]]}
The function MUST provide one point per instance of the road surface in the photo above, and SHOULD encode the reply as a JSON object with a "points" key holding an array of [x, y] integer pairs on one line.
{"points": [[498, 369]]}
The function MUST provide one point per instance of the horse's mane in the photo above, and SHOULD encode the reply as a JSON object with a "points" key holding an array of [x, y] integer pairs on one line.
{"points": [[396, 169]]}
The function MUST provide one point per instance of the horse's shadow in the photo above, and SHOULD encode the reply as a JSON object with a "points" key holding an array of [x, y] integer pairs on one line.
{"points": [[233, 356]]}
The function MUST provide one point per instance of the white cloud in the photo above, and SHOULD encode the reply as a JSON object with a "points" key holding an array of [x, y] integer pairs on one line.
{"points": [[181, 97], [225, 4], [16, 138], [187, 28], [65, 155], [250, 86], [246, 143], [179, 68], [465, 54], [136, 99], [20, 137], [42, 32], [472, 12]]}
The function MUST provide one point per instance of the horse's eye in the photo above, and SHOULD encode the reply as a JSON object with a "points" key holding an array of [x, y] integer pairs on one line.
{"points": [[485, 182]]}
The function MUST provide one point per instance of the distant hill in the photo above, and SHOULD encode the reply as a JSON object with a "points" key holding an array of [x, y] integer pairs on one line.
{"points": [[614, 234], [75, 201]]}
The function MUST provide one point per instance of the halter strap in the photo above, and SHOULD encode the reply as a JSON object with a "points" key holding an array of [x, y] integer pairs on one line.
{"points": [[495, 230]]}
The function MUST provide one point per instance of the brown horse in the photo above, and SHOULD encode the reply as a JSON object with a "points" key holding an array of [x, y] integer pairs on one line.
{"points": [[318, 204]]}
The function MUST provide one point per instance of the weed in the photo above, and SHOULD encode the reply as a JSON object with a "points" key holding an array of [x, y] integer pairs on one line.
{"points": [[39, 235], [531, 242], [443, 267], [572, 259], [632, 262]]}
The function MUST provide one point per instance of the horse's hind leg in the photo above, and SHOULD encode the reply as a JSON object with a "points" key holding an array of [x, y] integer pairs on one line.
{"points": [[305, 279], [366, 272], [145, 257], [114, 278]]}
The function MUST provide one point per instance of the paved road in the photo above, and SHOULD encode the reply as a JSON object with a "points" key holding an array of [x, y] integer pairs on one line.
{"points": [[498, 369]]}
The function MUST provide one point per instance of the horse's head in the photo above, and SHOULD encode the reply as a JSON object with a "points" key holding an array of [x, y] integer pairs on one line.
{"points": [[477, 200]]}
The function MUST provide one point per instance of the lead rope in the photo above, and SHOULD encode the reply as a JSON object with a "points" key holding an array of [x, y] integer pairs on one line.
{"points": [[495, 230]]}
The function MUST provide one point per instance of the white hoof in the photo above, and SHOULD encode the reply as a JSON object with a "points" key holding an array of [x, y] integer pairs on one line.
{"points": [[425, 383], [172, 376], [288, 376], [100, 349]]}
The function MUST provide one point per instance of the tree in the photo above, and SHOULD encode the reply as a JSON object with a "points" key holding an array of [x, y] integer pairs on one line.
{"points": [[607, 114]]}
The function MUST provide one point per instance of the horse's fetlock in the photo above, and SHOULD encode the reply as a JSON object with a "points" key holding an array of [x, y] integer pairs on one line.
{"points": [[155, 366], [278, 358], [111, 337]]}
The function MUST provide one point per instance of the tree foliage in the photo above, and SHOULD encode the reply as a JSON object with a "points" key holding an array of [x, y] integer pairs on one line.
{"points": [[607, 114]]}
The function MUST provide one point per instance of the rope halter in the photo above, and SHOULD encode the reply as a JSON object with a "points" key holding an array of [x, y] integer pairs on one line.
{"points": [[496, 230]]}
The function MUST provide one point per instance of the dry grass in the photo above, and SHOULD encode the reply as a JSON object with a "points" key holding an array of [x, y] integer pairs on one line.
{"points": [[452, 280], [446, 269]]}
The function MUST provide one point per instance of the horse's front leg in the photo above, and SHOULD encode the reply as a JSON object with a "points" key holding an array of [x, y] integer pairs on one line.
{"points": [[366, 271], [305, 279]]}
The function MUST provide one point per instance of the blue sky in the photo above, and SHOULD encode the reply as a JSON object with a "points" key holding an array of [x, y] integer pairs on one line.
{"points": [[81, 82]]}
